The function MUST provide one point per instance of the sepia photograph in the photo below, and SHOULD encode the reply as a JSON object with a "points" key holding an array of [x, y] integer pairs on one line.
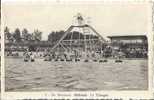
{"points": [[75, 47]]}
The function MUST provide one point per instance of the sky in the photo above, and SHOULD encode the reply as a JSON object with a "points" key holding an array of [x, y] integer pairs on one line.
{"points": [[107, 19]]}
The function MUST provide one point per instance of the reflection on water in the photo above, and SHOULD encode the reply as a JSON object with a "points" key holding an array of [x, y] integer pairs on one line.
{"points": [[71, 76]]}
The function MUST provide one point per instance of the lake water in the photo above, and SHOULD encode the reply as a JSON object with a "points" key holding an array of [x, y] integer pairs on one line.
{"points": [[75, 76]]}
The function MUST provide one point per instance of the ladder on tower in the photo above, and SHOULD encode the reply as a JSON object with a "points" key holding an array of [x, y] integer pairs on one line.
{"points": [[87, 41]]}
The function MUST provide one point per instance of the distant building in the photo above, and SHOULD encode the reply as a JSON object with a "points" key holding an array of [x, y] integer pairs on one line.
{"points": [[134, 46], [129, 38], [131, 41]]}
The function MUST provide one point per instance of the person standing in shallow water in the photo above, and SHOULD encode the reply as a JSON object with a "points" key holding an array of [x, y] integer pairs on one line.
{"points": [[32, 57], [26, 56]]}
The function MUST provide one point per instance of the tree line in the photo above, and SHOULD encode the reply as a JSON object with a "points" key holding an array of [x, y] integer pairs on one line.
{"points": [[24, 35]]}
